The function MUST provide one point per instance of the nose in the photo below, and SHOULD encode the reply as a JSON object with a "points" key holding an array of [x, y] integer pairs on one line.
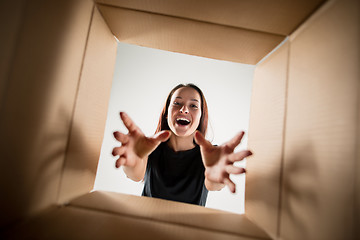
{"points": [[184, 109]]}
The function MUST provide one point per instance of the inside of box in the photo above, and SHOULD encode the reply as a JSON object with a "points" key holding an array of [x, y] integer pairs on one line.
{"points": [[303, 181]]}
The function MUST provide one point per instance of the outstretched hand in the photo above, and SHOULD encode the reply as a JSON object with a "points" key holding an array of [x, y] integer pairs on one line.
{"points": [[219, 160], [135, 146]]}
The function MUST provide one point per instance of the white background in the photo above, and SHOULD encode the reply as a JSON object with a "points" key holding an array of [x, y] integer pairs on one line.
{"points": [[142, 80]]}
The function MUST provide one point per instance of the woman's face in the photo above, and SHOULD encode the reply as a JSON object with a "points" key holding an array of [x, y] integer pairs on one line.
{"points": [[184, 111]]}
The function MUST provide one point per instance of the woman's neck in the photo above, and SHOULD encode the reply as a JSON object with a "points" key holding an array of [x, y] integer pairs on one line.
{"points": [[181, 143]]}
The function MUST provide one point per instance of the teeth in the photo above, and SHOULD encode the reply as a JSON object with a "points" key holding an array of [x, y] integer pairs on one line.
{"points": [[183, 119]]}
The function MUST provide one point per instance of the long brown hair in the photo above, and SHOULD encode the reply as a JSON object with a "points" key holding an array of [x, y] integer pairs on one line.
{"points": [[163, 124]]}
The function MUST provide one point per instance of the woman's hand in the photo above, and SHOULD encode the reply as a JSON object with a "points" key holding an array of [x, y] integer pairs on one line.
{"points": [[219, 160], [135, 146]]}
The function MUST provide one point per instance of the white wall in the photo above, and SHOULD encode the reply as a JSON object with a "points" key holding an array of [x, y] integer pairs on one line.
{"points": [[142, 80]]}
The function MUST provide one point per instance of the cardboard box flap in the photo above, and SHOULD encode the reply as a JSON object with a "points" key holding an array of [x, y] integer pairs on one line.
{"points": [[168, 211], [187, 36], [277, 17], [319, 189], [266, 139], [80, 223]]}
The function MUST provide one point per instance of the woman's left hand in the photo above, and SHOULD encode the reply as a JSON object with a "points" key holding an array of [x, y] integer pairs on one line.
{"points": [[219, 160]]}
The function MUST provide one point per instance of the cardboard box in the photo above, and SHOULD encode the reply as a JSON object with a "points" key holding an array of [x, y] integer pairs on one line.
{"points": [[56, 70]]}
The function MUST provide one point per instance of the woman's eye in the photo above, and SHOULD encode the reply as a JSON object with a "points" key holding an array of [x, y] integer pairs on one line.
{"points": [[193, 106], [176, 103]]}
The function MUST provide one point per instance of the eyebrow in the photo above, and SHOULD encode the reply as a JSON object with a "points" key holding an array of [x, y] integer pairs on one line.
{"points": [[190, 99]]}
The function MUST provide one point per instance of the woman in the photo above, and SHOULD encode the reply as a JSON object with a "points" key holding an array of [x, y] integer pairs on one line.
{"points": [[178, 163]]}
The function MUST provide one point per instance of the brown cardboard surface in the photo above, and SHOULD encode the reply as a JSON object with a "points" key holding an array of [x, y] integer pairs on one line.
{"points": [[11, 13], [357, 178], [190, 37], [357, 173], [357, 169], [90, 111], [153, 209], [79, 223], [37, 110], [266, 130], [279, 17], [321, 128], [53, 115]]}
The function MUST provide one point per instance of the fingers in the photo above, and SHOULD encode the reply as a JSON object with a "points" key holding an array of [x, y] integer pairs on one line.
{"points": [[239, 156], [230, 184], [162, 136], [235, 141], [121, 161], [200, 140], [128, 122], [124, 139], [231, 169], [118, 151]]}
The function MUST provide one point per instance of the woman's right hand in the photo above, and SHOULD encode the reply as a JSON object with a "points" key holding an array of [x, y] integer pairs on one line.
{"points": [[135, 146]]}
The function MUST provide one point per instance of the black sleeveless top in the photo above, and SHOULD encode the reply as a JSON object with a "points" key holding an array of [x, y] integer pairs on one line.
{"points": [[177, 176]]}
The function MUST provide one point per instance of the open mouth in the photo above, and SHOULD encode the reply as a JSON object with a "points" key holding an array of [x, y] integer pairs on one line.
{"points": [[182, 121]]}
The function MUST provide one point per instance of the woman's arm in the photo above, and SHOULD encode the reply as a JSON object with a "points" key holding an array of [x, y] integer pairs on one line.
{"points": [[135, 148], [219, 161]]}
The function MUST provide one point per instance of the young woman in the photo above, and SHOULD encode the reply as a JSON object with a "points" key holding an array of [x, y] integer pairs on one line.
{"points": [[178, 163]]}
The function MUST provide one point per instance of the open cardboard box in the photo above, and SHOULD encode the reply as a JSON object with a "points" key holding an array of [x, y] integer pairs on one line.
{"points": [[56, 65]]}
